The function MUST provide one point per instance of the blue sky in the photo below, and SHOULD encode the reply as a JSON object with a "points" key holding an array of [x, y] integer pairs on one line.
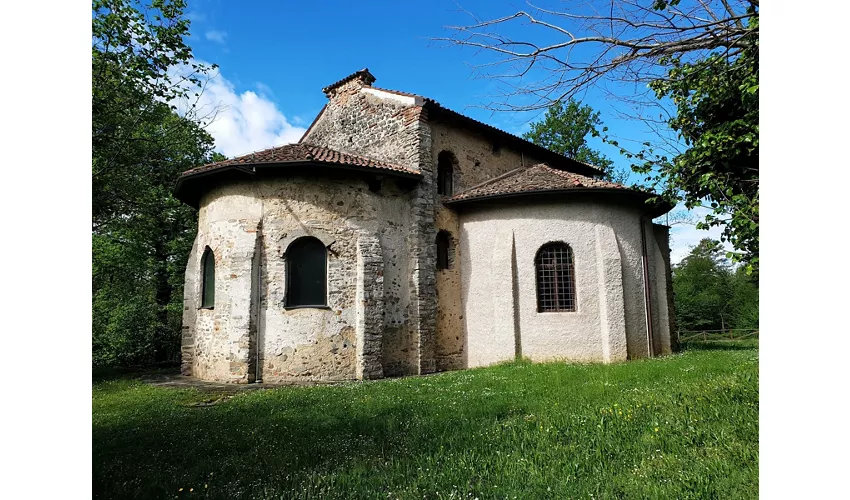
{"points": [[275, 57]]}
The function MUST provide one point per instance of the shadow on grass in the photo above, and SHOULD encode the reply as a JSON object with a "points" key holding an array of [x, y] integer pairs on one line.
{"points": [[521, 427], [122, 372], [276, 440]]}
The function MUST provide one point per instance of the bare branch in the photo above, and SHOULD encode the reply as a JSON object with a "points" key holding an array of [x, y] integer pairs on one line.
{"points": [[620, 41]]}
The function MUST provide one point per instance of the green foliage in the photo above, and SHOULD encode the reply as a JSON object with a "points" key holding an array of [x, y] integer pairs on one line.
{"points": [[564, 129], [745, 300], [141, 235], [136, 50], [684, 426], [709, 295], [717, 102]]}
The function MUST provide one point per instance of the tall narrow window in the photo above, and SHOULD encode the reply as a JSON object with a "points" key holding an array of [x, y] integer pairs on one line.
{"points": [[208, 279], [445, 171], [556, 287], [443, 243], [306, 273]]}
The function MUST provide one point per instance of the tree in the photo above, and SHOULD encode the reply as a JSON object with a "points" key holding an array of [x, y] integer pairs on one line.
{"points": [[709, 294], [564, 129], [141, 235], [701, 287], [137, 48], [688, 70], [718, 119]]}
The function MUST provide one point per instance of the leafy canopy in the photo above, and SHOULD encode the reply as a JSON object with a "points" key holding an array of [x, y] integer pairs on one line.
{"points": [[564, 129], [709, 294], [716, 100], [141, 235]]}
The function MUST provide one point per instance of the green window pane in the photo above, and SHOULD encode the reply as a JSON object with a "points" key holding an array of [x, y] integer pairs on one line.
{"points": [[208, 288], [306, 270]]}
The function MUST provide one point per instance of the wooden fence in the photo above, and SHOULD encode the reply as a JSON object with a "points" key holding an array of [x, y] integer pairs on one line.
{"points": [[718, 335]]}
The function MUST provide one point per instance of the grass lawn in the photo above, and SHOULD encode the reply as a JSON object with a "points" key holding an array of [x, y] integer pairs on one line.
{"points": [[685, 426]]}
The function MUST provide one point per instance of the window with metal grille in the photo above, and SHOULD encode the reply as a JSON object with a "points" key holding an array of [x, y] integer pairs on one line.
{"points": [[445, 170], [556, 286], [208, 279], [443, 245], [306, 273]]}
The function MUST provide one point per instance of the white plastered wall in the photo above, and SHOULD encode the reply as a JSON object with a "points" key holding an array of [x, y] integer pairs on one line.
{"points": [[609, 324]]}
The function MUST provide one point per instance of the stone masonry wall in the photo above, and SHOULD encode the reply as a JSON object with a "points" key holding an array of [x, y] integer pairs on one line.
{"points": [[370, 299], [365, 124], [393, 130], [306, 343], [222, 335], [476, 163], [191, 301]]}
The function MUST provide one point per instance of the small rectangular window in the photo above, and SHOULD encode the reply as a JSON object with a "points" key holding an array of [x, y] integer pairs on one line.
{"points": [[445, 171], [556, 287], [443, 246]]}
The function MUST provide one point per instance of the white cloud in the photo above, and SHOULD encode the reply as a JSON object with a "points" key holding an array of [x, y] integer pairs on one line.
{"points": [[685, 236], [242, 122], [216, 36]]}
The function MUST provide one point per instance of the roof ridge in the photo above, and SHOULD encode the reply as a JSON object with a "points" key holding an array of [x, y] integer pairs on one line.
{"points": [[435, 103], [568, 175], [582, 177], [494, 179], [541, 178], [507, 174], [300, 153], [306, 145], [244, 155], [514, 136], [353, 155], [400, 92], [365, 73]]}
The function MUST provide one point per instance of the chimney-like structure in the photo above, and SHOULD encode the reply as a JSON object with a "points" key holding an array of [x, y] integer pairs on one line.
{"points": [[350, 84]]}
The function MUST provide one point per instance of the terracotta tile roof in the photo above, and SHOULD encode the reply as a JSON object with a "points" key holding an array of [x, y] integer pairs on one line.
{"points": [[301, 153], [363, 73], [536, 178]]}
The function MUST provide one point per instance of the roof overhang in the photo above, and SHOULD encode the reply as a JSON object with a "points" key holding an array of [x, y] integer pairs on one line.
{"points": [[641, 199], [190, 188]]}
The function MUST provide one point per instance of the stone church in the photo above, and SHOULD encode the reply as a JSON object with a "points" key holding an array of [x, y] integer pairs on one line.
{"points": [[400, 237]]}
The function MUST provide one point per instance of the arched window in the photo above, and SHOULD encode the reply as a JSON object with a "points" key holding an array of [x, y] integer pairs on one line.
{"points": [[445, 169], [208, 279], [556, 285], [306, 273], [443, 246]]}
